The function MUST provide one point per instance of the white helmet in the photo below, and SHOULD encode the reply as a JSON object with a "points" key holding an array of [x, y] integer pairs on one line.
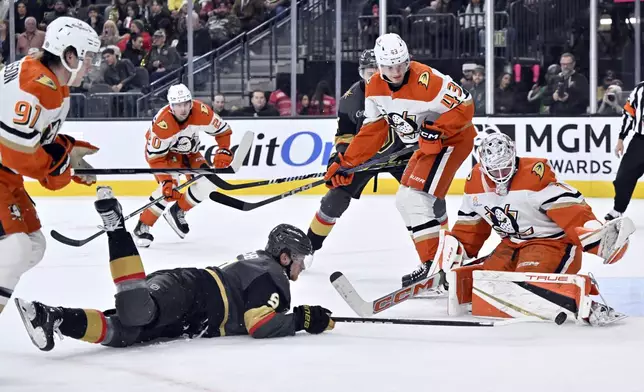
{"points": [[179, 93], [65, 32], [390, 49], [497, 156]]}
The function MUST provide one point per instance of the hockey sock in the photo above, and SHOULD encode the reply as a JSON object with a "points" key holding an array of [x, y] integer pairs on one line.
{"points": [[84, 324], [125, 263], [320, 227], [426, 239], [149, 217]]}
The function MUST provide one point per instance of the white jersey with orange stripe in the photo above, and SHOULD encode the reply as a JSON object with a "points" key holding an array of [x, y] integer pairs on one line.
{"points": [[33, 107]]}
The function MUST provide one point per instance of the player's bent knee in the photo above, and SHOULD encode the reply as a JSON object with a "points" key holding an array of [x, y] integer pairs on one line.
{"points": [[335, 202], [38, 247], [17, 252], [135, 307], [401, 197], [120, 335], [420, 203]]}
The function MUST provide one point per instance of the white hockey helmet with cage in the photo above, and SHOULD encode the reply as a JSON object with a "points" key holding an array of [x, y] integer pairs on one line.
{"points": [[497, 156], [177, 94], [65, 32], [391, 50]]}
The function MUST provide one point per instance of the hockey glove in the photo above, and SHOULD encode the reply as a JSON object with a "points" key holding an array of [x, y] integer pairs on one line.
{"points": [[430, 141], [223, 158], [59, 174], [334, 175], [313, 319], [79, 149], [170, 194]]}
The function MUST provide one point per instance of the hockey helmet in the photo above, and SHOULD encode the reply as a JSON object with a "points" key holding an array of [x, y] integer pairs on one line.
{"points": [[285, 238], [367, 61], [391, 51], [497, 156]]}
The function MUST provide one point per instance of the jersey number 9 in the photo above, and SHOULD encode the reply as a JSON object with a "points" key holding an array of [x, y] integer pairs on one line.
{"points": [[26, 114]]}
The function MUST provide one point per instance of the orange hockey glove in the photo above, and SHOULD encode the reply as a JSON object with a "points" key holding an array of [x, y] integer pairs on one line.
{"points": [[169, 192], [223, 158], [60, 169], [430, 142], [335, 179]]}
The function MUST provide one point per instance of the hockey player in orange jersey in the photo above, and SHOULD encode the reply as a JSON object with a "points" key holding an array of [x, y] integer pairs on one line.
{"points": [[173, 142], [422, 105], [544, 226], [34, 102]]}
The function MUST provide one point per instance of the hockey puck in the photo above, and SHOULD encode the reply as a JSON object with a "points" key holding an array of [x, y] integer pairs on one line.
{"points": [[561, 318]]}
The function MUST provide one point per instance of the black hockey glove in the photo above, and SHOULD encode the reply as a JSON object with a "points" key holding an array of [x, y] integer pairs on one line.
{"points": [[312, 319]]}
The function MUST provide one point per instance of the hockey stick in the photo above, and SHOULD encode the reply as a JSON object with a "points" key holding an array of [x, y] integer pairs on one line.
{"points": [[246, 206], [366, 309], [244, 147], [443, 323], [231, 187], [242, 151]]}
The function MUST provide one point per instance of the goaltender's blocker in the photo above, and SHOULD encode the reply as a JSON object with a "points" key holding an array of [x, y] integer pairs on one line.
{"points": [[247, 296]]}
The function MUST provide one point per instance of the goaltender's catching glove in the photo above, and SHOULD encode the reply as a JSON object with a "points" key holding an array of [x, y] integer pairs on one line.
{"points": [[313, 319]]}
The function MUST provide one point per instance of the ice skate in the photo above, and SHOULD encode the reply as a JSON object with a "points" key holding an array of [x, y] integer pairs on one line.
{"points": [[41, 322], [176, 218], [109, 209], [142, 234], [417, 275]]}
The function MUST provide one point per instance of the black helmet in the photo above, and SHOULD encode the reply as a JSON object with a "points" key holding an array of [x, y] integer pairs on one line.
{"points": [[367, 59], [289, 239]]}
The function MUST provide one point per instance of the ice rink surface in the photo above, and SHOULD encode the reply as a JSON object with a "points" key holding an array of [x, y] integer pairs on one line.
{"points": [[370, 245]]}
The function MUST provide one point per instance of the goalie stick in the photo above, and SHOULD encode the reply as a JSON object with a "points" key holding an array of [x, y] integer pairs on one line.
{"points": [[366, 309], [244, 147], [242, 151], [247, 206], [442, 323], [231, 187]]}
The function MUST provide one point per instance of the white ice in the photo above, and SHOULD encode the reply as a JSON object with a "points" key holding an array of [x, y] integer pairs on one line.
{"points": [[370, 245]]}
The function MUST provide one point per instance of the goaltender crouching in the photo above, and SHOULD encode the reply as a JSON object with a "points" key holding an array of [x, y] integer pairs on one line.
{"points": [[249, 295], [545, 226]]}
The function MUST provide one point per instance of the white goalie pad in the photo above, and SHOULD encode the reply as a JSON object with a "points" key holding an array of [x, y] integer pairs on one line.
{"points": [[449, 255], [610, 238]]}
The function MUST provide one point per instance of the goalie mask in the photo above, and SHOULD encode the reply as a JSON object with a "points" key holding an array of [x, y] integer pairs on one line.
{"points": [[497, 157]]}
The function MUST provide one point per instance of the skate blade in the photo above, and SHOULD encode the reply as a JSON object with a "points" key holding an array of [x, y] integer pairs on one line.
{"points": [[174, 226]]}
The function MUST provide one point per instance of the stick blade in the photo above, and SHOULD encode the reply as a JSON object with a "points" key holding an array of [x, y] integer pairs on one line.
{"points": [[229, 201], [350, 296], [65, 240]]}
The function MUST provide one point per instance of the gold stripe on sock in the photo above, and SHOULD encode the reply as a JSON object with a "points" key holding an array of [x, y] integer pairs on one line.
{"points": [[126, 268], [96, 326], [321, 228]]}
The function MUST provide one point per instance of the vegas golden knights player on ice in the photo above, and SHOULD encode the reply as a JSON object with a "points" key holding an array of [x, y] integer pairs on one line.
{"points": [[249, 296]]}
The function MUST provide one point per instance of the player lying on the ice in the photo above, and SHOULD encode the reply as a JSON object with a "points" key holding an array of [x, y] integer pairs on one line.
{"points": [[250, 295], [545, 225]]}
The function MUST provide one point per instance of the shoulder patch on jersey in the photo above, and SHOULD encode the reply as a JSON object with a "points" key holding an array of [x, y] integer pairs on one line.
{"points": [[162, 124], [469, 176], [423, 79], [539, 169], [204, 108], [46, 81], [347, 94]]}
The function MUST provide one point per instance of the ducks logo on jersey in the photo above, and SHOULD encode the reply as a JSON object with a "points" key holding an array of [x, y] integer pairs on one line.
{"points": [[504, 222]]}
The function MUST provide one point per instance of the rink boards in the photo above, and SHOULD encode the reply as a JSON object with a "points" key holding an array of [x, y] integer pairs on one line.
{"points": [[580, 149]]}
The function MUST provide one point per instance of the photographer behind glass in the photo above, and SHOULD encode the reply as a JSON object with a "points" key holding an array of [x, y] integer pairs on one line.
{"points": [[568, 94]]}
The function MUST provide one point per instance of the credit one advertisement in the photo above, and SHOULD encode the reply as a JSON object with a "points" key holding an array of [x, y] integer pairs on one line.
{"points": [[579, 148]]}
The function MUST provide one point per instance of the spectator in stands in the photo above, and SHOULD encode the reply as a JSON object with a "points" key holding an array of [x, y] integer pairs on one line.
{"points": [[609, 78], [219, 105], [473, 25], [537, 93], [280, 99], [612, 102], [466, 81], [163, 58], [119, 74], [143, 9], [222, 24], [322, 103], [174, 6], [60, 9], [160, 18], [503, 95], [251, 13], [136, 28], [132, 14], [569, 94], [134, 50], [258, 107], [110, 34], [303, 105], [117, 12], [478, 90], [200, 36], [31, 38], [275, 7], [4, 40], [95, 19], [21, 16]]}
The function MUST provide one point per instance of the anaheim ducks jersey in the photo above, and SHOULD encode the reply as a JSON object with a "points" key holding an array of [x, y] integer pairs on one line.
{"points": [[425, 95], [166, 134], [536, 207], [33, 106]]}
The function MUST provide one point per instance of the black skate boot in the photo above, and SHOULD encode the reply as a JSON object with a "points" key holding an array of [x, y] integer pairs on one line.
{"points": [[142, 234], [41, 322], [417, 275], [176, 218], [109, 209], [612, 215]]}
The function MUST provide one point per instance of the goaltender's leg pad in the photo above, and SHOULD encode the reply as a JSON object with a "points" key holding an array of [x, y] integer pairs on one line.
{"points": [[535, 295]]}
